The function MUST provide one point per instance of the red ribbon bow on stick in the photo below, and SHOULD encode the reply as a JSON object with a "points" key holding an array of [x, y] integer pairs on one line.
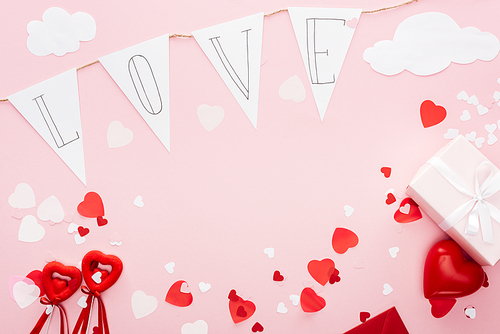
{"points": [[64, 326]]}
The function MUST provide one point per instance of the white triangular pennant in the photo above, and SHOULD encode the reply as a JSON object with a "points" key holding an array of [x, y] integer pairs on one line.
{"points": [[142, 73], [324, 36], [52, 107], [234, 49]]}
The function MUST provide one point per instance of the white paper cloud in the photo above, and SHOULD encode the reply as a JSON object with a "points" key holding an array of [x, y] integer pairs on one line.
{"points": [[427, 43], [60, 32]]}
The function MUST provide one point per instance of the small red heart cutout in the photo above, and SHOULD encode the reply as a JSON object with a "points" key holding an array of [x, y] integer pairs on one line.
{"points": [[73, 284], [56, 289], [310, 301], [83, 231], [178, 298], [36, 276], [386, 171], [335, 277], [92, 206], [441, 307], [322, 270], [96, 330], [92, 260], [257, 327], [101, 221], [277, 277], [241, 309], [431, 114], [363, 316], [343, 239], [233, 296], [407, 212], [390, 199]]}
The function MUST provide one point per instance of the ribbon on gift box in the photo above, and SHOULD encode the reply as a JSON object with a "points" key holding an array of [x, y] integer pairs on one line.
{"points": [[482, 210]]}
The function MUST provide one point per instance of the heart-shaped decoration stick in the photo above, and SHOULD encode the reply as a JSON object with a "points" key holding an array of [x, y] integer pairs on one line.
{"points": [[90, 262], [56, 289]]}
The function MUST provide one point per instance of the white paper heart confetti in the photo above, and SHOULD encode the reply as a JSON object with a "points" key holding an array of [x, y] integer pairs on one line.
{"points": [[492, 139], [473, 100], [470, 312], [387, 289], [465, 116], [462, 96], [97, 277], [269, 252], [115, 239], [295, 299], [471, 136], [169, 267], [348, 210], [293, 89], [51, 209], [185, 288], [25, 294], [479, 142], [451, 133], [393, 251], [204, 287], [405, 209], [72, 228], [138, 202], [490, 127], [481, 110], [118, 135], [30, 230], [23, 197], [359, 263], [281, 308], [82, 302], [210, 117], [79, 239], [198, 327], [142, 304], [496, 96]]}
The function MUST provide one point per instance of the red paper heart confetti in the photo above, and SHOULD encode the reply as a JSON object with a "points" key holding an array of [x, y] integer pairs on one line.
{"points": [[310, 301], [257, 327], [431, 114], [101, 221], [335, 277], [90, 264], [441, 307], [83, 231], [178, 298], [240, 309], [36, 276], [277, 277], [407, 212], [92, 206], [343, 239], [96, 330], [363, 316], [390, 199], [386, 171], [322, 270], [56, 289]]}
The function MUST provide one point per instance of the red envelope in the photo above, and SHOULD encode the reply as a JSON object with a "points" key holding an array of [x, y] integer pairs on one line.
{"points": [[388, 322]]}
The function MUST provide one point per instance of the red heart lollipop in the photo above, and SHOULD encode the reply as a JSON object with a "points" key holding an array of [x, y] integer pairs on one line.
{"points": [[57, 289], [448, 275], [89, 264]]}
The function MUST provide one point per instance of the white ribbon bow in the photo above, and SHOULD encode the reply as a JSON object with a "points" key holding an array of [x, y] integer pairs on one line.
{"points": [[482, 211]]}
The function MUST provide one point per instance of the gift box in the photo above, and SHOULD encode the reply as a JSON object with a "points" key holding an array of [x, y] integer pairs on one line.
{"points": [[459, 189]]}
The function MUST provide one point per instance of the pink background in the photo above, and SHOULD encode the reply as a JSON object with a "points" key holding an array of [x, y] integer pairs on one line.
{"points": [[219, 198]]}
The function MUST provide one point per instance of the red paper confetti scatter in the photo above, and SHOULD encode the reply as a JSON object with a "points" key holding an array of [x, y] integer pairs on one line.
{"points": [[363, 316], [386, 171], [277, 277], [310, 301], [178, 298], [36, 276], [92, 206], [239, 308], [343, 239], [390, 199], [257, 327], [322, 270]]}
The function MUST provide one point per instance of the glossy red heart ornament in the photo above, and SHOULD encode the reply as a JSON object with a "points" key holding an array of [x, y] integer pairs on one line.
{"points": [[322, 270], [407, 212], [431, 114], [240, 309], [56, 289], [92, 206], [448, 275], [90, 262], [310, 301], [178, 298]]}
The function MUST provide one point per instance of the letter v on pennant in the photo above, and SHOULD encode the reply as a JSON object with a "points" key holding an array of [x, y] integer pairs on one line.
{"points": [[234, 48], [324, 36]]}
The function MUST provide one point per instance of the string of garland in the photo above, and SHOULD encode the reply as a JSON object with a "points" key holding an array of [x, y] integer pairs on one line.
{"points": [[266, 15]]}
